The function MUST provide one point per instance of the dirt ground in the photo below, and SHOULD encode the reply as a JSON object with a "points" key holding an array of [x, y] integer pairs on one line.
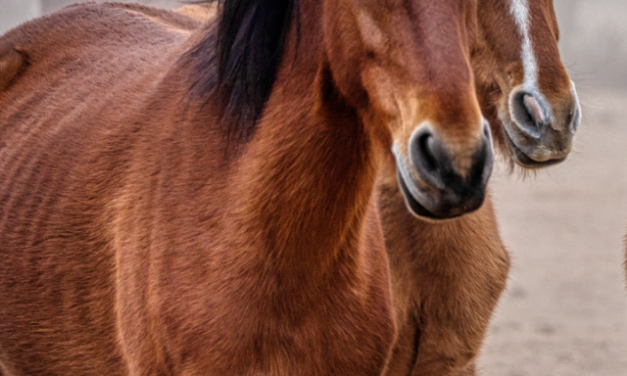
{"points": [[565, 310]]}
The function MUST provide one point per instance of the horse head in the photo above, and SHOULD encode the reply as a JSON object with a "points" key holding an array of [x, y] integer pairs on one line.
{"points": [[405, 67], [523, 86]]}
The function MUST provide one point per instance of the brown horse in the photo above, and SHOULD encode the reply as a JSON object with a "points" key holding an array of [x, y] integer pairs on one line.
{"points": [[186, 200], [448, 276]]}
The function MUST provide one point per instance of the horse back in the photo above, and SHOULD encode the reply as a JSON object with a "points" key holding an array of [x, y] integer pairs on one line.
{"points": [[72, 86]]}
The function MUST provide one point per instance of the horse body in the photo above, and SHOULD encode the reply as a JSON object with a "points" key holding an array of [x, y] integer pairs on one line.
{"points": [[111, 265], [136, 241]]}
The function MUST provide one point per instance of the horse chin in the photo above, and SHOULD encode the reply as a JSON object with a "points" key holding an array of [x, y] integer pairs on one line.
{"points": [[525, 161], [416, 208]]}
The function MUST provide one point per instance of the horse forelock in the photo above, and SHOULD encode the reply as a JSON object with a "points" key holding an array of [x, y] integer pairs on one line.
{"points": [[239, 62]]}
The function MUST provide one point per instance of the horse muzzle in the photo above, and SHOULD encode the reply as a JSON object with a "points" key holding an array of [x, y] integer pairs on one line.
{"points": [[432, 186], [538, 135]]}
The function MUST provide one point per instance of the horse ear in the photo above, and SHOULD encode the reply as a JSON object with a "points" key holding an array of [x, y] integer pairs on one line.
{"points": [[12, 62]]}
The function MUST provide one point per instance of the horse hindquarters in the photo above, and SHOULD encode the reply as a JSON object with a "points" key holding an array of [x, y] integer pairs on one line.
{"points": [[447, 279]]}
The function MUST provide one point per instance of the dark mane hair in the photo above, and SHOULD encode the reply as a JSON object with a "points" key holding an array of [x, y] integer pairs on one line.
{"points": [[250, 41]]}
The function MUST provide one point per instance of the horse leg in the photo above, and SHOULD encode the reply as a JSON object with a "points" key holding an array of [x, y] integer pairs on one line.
{"points": [[448, 277], [442, 353], [471, 370], [458, 290]]}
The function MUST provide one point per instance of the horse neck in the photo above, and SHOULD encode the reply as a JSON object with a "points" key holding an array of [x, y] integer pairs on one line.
{"points": [[308, 173]]}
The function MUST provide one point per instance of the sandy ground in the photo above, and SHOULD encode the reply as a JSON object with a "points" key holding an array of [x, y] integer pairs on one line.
{"points": [[565, 310]]}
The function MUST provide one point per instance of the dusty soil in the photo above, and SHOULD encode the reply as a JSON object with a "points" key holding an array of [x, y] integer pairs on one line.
{"points": [[565, 310]]}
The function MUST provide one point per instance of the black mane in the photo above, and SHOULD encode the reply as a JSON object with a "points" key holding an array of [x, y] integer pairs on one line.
{"points": [[250, 42]]}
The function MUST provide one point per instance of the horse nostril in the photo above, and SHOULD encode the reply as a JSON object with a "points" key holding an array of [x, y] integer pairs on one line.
{"points": [[428, 156], [449, 190], [534, 110], [528, 113], [425, 152]]}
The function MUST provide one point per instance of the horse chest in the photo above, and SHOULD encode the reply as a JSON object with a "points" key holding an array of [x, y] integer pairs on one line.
{"points": [[269, 326]]}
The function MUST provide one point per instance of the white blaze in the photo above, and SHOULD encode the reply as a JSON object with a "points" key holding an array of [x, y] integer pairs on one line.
{"points": [[522, 15]]}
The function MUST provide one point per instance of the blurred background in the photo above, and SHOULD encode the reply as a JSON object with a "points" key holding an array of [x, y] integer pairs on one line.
{"points": [[565, 310]]}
